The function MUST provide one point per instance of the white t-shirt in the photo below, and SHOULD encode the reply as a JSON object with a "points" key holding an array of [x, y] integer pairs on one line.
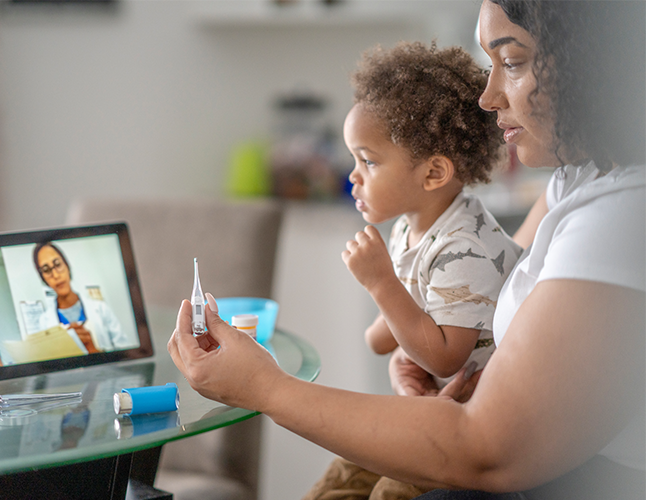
{"points": [[456, 270], [595, 230]]}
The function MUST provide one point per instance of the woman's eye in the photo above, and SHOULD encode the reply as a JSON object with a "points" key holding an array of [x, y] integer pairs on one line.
{"points": [[512, 64]]}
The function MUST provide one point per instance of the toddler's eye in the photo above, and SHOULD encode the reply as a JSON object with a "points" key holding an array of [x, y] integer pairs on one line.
{"points": [[368, 163]]}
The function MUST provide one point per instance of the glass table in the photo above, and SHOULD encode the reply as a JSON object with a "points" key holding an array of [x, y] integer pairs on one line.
{"points": [[86, 447]]}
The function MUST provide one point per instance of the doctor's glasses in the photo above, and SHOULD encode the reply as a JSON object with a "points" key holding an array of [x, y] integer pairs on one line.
{"points": [[57, 264]]}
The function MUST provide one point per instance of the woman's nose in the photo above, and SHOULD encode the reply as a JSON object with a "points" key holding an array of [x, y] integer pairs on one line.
{"points": [[493, 98]]}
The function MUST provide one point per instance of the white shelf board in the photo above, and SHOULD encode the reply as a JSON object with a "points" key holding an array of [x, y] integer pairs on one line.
{"points": [[248, 14]]}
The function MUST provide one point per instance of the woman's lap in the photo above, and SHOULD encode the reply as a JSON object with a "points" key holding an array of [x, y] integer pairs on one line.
{"points": [[597, 479], [468, 495]]}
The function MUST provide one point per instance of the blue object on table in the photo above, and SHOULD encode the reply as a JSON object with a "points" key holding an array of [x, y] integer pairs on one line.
{"points": [[153, 399], [265, 309], [137, 425]]}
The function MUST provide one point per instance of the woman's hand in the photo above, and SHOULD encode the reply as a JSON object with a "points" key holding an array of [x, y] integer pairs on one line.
{"points": [[367, 257], [409, 379], [224, 364], [463, 385], [84, 336]]}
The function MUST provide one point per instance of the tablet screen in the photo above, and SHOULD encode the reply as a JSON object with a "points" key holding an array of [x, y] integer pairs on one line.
{"points": [[69, 297]]}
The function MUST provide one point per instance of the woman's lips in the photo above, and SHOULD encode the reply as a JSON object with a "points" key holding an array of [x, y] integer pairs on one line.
{"points": [[511, 133]]}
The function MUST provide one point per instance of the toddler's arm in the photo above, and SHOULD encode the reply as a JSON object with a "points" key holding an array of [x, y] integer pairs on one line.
{"points": [[441, 350], [379, 337]]}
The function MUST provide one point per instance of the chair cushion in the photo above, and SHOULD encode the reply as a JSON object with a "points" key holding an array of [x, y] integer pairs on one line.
{"points": [[194, 486]]}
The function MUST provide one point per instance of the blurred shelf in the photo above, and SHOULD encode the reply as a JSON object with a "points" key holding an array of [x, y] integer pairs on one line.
{"points": [[303, 14]]}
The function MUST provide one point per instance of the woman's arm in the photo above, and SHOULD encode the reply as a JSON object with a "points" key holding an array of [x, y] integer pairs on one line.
{"points": [[564, 381], [524, 236]]}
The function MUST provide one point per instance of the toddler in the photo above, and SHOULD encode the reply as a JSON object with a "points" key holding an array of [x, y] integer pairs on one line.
{"points": [[418, 137]]}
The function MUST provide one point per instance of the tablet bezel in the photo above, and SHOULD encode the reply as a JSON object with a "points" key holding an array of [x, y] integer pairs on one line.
{"points": [[145, 348]]}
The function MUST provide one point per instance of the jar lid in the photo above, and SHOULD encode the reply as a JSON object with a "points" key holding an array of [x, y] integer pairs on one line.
{"points": [[244, 320]]}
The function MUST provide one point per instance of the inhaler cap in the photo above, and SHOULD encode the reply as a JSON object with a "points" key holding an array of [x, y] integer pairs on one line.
{"points": [[122, 403]]}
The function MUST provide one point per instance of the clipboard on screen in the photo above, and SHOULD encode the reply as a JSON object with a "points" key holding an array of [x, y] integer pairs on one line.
{"points": [[53, 343]]}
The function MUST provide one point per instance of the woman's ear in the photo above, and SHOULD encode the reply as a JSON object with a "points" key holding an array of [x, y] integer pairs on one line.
{"points": [[439, 172]]}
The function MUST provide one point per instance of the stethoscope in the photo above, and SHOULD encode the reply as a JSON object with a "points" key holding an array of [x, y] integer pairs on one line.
{"points": [[82, 317]]}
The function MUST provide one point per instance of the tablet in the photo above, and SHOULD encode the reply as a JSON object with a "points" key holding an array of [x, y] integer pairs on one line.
{"points": [[69, 297]]}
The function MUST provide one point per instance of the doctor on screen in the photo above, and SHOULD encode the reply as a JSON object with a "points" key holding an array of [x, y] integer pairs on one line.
{"points": [[90, 322]]}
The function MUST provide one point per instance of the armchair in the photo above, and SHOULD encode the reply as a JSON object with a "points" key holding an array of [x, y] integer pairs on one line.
{"points": [[235, 243]]}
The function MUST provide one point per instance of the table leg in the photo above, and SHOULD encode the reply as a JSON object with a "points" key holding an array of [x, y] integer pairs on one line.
{"points": [[103, 479], [144, 465], [142, 476], [95, 480], [120, 476]]}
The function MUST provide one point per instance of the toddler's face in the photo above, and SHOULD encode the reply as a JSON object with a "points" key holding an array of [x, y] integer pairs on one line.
{"points": [[386, 183]]}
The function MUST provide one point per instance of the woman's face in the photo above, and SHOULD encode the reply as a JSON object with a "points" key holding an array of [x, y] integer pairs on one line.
{"points": [[54, 270], [527, 124]]}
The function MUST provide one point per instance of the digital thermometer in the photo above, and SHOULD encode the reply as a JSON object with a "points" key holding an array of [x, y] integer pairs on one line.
{"points": [[197, 303]]}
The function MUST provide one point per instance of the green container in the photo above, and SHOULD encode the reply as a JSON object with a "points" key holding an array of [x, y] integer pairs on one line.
{"points": [[248, 173]]}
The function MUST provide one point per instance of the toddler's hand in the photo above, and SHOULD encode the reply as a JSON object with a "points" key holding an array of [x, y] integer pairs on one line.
{"points": [[367, 257]]}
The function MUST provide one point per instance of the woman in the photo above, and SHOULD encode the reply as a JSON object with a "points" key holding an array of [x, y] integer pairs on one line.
{"points": [[90, 322], [558, 411]]}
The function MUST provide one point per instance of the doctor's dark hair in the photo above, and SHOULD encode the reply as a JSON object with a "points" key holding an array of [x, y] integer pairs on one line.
{"points": [[591, 63], [427, 100], [37, 250]]}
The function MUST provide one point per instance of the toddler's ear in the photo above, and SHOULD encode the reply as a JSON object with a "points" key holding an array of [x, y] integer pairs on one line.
{"points": [[439, 172]]}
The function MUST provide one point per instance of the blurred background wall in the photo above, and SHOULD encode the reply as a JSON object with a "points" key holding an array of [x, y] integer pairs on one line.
{"points": [[147, 96]]}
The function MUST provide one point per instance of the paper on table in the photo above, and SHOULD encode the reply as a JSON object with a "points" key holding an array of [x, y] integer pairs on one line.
{"points": [[53, 343]]}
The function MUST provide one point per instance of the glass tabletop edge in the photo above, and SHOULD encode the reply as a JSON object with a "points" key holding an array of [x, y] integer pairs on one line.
{"points": [[311, 363], [134, 445], [308, 371]]}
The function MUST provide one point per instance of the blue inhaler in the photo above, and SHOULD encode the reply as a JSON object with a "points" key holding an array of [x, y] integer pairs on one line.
{"points": [[140, 400], [197, 304]]}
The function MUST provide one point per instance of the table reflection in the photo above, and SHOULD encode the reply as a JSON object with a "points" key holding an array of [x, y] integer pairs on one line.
{"points": [[126, 427], [47, 430]]}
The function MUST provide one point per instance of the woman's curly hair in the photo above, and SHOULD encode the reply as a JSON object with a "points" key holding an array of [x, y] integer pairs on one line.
{"points": [[428, 101], [590, 62]]}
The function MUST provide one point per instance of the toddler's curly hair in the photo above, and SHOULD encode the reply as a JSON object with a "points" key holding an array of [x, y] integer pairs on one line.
{"points": [[428, 101]]}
